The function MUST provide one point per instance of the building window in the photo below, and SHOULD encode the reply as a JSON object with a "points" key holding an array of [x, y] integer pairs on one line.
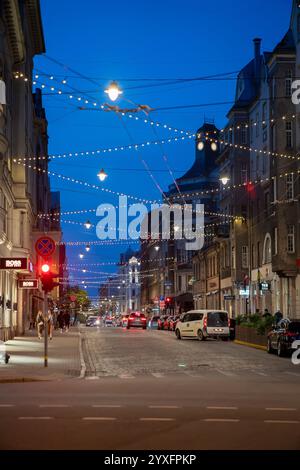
{"points": [[179, 283], [275, 241], [233, 257], [267, 250], [291, 239], [264, 114], [251, 130], [274, 88], [253, 256], [289, 134], [273, 138], [258, 254], [274, 189], [289, 182], [288, 84], [267, 204], [244, 136], [244, 174], [245, 260]]}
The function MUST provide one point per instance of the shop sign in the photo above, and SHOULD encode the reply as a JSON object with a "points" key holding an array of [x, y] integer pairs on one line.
{"points": [[14, 263], [229, 297], [28, 284]]}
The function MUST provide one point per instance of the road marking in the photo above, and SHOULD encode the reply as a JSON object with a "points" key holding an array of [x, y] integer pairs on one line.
{"points": [[7, 406], [41, 418], [277, 421], [194, 375], [106, 406], [126, 376], [54, 406], [93, 377], [221, 408], [98, 418], [262, 374], [281, 409], [216, 420], [293, 374], [228, 374], [164, 407], [158, 375], [158, 419]]}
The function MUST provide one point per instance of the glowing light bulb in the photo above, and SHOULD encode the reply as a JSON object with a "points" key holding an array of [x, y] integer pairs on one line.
{"points": [[102, 175], [113, 91]]}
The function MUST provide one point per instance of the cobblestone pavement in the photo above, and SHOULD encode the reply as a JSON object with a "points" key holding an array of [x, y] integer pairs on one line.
{"points": [[118, 352]]}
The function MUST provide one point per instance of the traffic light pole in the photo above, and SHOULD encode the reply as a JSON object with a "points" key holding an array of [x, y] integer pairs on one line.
{"points": [[46, 330]]}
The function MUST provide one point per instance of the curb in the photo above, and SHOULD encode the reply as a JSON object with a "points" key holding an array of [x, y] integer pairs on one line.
{"points": [[250, 345], [18, 380]]}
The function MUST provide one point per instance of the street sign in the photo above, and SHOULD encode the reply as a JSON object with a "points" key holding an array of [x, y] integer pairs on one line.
{"points": [[28, 284], [264, 286], [229, 297], [14, 263], [45, 246]]}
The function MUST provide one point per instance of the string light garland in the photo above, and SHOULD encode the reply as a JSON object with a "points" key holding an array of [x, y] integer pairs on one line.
{"points": [[94, 103], [189, 195]]}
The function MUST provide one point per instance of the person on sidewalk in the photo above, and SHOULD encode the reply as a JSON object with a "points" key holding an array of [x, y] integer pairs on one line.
{"points": [[60, 321], [50, 322], [40, 323], [67, 320]]}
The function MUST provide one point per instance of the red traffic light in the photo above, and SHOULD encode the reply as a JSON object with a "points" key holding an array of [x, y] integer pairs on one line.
{"points": [[168, 300], [45, 268]]}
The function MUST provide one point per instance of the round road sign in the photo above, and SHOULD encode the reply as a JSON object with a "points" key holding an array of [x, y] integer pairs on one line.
{"points": [[45, 246]]}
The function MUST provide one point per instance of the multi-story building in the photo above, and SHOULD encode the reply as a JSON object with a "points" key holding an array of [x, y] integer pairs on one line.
{"points": [[23, 134], [129, 281]]}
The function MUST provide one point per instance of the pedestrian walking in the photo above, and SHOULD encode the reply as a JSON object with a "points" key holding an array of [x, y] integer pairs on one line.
{"points": [[67, 320], [60, 321], [50, 324], [40, 323], [278, 316]]}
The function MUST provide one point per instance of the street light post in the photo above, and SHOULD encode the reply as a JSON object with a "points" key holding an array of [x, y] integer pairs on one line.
{"points": [[46, 330]]}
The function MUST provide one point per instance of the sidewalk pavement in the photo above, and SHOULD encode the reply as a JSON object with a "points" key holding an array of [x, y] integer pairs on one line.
{"points": [[26, 362]]}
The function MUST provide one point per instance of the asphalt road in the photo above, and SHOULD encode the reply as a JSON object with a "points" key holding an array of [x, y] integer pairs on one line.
{"points": [[146, 390]]}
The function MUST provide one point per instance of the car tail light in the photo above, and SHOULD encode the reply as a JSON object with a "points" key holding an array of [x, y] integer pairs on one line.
{"points": [[229, 322], [205, 323], [131, 318], [143, 319]]}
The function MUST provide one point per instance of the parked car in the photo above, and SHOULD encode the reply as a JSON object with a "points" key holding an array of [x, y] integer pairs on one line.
{"points": [[137, 320], [173, 322], [203, 324], [167, 323], [282, 336], [153, 322], [124, 320], [108, 321], [161, 322], [92, 320]]}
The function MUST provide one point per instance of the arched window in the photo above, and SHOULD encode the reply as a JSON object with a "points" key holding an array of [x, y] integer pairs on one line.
{"points": [[267, 258]]}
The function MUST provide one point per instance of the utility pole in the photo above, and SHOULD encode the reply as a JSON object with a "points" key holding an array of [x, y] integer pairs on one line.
{"points": [[45, 329]]}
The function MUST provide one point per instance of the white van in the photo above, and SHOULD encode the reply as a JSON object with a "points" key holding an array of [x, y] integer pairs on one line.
{"points": [[203, 324]]}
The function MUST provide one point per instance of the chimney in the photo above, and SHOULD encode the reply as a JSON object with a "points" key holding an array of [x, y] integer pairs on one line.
{"points": [[257, 45]]}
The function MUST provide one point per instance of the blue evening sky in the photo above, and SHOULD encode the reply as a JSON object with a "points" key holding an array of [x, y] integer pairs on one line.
{"points": [[133, 41]]}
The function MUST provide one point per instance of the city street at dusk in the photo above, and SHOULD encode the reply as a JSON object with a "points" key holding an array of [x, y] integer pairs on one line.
{"points": [[145, 390], [150, 232]]}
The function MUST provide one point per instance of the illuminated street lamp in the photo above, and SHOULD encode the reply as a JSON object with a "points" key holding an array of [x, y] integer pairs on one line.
{"points": [[81, 256], [225, 180], [88, 225], [102, 175], [87, 248], [113, 91]]}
